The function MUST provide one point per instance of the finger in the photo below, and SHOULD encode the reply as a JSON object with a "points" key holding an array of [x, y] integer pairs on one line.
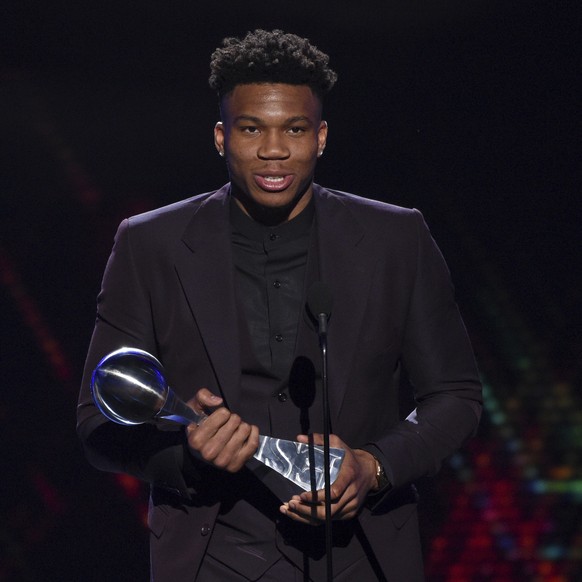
{"points": [[313, 509], [241, 454], [309, 517], [230, 446], [315, 513], [208, 438], [214, 436], [204, 399], [207, 429], [316, 438], [337, 489], [311, 439], [346, 508], [238, 448]]}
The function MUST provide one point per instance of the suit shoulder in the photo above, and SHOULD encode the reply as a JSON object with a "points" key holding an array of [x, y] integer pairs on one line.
{"points": [[164, 227], [170, 215], [368, 209]]}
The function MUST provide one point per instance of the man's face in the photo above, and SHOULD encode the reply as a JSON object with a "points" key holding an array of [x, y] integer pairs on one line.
{"points": [[271, 136]]}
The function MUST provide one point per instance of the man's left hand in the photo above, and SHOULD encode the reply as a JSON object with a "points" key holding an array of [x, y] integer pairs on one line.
{"points": [[356, 478]]}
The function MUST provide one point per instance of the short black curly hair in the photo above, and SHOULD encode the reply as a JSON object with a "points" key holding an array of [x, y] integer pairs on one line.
{"points": [[270, 57]]}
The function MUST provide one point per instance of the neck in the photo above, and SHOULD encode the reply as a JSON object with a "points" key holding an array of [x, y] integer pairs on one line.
{"points": [[271, 215]]}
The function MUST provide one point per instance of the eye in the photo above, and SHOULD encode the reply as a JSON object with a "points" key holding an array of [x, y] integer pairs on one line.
{"points": [[296, 130], [250, 129]]}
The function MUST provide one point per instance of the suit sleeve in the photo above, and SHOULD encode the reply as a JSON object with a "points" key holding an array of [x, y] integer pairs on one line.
{"points": [[439, 361], [145, 451]]}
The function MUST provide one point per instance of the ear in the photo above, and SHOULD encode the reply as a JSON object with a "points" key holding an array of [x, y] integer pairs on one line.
{"points": [[219, 137], [321, 137]]}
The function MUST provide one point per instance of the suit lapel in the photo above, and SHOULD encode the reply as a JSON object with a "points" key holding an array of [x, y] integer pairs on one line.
{"points": [[205, 268], [346, 265]]}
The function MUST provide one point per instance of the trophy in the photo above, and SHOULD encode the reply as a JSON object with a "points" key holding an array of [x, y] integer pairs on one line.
{"points": [[129, 388]]}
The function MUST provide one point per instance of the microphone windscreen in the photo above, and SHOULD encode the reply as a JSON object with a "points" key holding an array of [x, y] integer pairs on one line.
{"points": [[319, 299]]}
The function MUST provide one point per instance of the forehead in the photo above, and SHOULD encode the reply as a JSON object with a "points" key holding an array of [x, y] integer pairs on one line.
{"points": [[271, 99]]}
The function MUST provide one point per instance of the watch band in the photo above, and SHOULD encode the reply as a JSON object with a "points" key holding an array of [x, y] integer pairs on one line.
{"points": [[382, 481]]}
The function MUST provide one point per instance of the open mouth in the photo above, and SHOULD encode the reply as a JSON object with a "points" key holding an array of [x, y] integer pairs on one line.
{"points": [[274, 183]]}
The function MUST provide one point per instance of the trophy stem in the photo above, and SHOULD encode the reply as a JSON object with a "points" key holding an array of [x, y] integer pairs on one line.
{"points": [[176, 410]]}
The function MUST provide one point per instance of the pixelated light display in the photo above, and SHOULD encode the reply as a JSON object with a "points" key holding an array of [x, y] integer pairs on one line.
{"points": [[516, 503]]}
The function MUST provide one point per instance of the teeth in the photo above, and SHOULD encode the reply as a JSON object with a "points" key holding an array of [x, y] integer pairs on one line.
{"points": [[273, 178]]}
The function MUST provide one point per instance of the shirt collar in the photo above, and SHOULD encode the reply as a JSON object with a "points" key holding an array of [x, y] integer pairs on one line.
{"points": [[291, 230]]}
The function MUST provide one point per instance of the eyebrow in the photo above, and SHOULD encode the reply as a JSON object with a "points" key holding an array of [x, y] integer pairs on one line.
{"points": [[259, 121]]}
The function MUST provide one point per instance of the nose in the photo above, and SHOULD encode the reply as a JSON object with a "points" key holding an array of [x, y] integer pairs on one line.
{"points": [[273, 146]]}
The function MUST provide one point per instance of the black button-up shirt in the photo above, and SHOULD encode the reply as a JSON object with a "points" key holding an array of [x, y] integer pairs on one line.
{"points": [[270, 263]]}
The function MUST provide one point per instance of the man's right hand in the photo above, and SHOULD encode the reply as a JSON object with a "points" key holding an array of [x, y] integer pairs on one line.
{"points": [[222, 439]]}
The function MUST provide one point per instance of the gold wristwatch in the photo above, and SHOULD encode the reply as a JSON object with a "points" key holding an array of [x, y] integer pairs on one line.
{"points": [[382, 481]]}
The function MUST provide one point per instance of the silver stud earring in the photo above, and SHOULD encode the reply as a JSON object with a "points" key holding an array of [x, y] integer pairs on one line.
{"points": [[221, 153]]}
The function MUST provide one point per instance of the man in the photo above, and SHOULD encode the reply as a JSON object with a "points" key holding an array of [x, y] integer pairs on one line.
{"points": [[215, 287]]}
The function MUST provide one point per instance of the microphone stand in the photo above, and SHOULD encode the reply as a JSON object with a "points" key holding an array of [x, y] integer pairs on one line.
{"points": [[322, 319]]}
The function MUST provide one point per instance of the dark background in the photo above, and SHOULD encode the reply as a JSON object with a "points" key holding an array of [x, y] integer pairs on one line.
{"points": [[467, 110]]}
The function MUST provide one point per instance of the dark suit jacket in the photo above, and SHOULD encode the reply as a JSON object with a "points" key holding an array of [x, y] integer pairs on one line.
{"points": [[169, 289]]}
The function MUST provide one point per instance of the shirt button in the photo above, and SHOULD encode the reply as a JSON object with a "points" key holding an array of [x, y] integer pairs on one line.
{"points": [[282, 397], [277, 284], [279, 337], [205, 529], [273, 236]]}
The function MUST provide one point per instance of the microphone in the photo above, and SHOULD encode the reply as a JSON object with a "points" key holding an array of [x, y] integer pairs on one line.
{"points": [[319, 303]]}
